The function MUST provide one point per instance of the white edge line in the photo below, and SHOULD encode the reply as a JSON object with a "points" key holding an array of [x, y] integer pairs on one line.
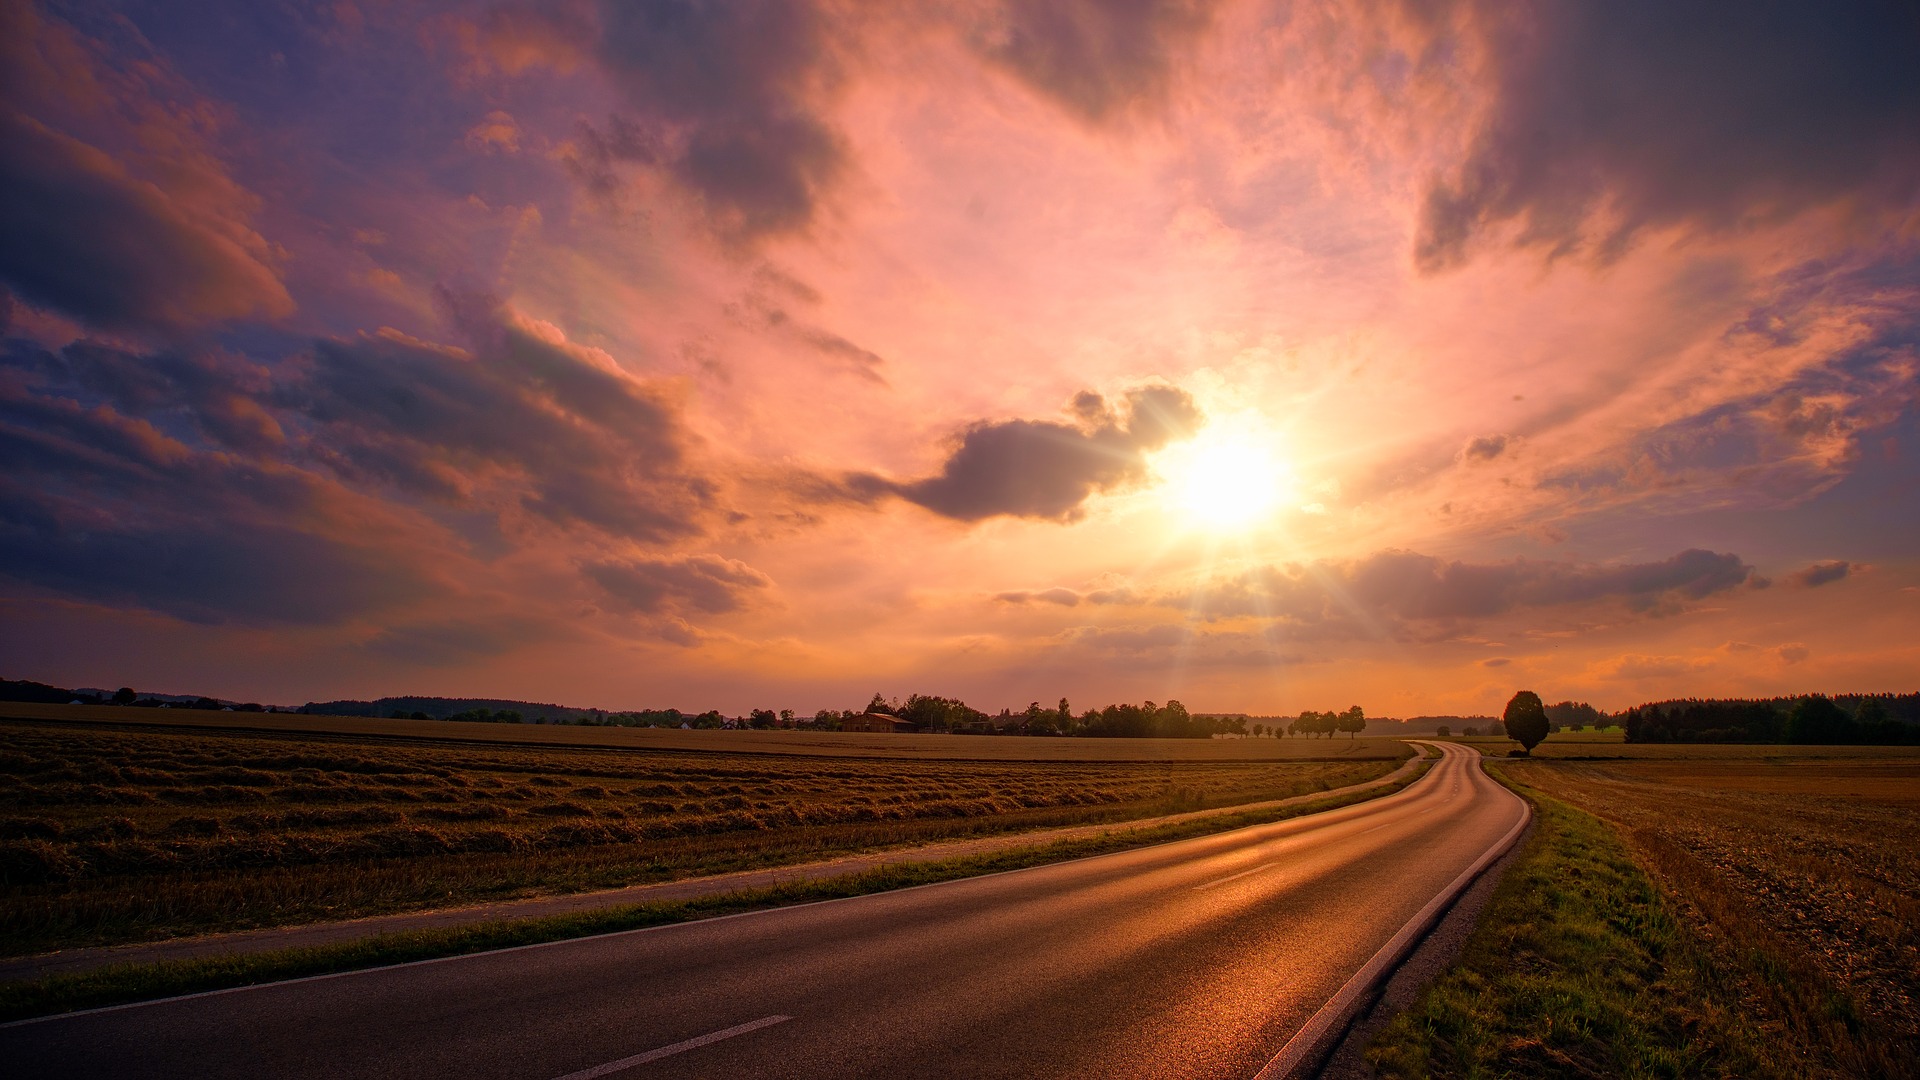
{"points": [[625, 1063], [1331, 1019], [1375, 801]]}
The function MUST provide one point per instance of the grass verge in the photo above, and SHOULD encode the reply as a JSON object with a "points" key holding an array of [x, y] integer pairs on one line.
{"points": [[119, 984], [1582, 965]]}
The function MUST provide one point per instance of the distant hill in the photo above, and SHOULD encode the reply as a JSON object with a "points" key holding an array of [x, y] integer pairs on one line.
{"points": [[43, 694], [37, 693], [442, 708]]}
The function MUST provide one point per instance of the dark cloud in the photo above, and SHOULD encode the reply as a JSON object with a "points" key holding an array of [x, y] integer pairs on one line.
{"points": [[108, 508], [1062, 597], [1409, 595], [1610, 117], [1099, 59], [704, 583], [206, 486], [522, 407], [1819, 574], [1045, 469], [1486, 447], [115, 208], [80, 235], [727, 97], [1416, 586]]}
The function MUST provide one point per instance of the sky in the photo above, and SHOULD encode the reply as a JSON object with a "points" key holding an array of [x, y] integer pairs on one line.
{"points": [[738, 353]]}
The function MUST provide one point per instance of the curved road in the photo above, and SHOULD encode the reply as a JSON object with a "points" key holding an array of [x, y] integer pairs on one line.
{"points": [[1193, 959]]}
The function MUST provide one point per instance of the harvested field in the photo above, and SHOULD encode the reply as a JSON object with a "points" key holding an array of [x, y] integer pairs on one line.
{"points": [[1611, 746], [1798, 866], [112, 834], [816, 743]]}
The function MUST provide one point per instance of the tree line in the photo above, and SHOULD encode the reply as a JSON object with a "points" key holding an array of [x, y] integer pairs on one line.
{"points": [[1310, 723], [1806, 719], [1147, 720], [1813, 719]]}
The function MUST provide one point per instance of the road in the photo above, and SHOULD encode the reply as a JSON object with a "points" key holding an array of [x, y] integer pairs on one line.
{"points": [[1192, 959]]}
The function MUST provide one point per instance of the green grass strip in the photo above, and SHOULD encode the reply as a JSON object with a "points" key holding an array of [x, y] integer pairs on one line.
{"points": [[122, 983], [1577, 967]]}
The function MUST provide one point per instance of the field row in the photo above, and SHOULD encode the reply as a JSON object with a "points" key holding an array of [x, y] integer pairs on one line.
{"points": [[115, 834]]}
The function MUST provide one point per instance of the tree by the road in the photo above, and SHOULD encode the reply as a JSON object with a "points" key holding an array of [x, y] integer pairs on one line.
{"points": [[1526, 719], [1353, 722]]}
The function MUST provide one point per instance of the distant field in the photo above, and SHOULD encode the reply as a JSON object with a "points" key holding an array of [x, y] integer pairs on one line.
{"points": [[820, 743], [110, 833], [1587, 745], [1798, 866]]}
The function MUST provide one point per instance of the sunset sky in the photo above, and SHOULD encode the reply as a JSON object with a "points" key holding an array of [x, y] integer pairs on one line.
{"points": [[1266, 356]]}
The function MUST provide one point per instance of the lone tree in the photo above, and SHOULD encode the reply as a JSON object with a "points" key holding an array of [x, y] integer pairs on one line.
{"points": [[1526, 720]]}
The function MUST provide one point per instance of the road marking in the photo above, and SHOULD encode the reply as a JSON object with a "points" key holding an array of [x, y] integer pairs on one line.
{"points": [[612, 1067], [1230, 877]]}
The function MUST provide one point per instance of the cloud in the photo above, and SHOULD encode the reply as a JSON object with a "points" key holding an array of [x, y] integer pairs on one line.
{"points": [[1793, 436], [1821, 574], [209, 487], [1376, 594], [80, 235], [1062, 597], [1792, 653], [1097, 59], [728, 98], [760, 311], [1642, 666], [1168, 646], [1129, 639], [496, 133], [114, 209], [1486, 447], [1046, 469], [107, 508], [521, 409], [1496, 661], [1609, 118], [656, 585]]}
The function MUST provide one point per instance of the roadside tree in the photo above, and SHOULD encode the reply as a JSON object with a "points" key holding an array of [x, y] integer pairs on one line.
{"points": [[1525, 720]]}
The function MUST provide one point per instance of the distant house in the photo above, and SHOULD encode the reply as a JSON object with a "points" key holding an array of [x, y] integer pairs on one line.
{"points": [[877, 722]]}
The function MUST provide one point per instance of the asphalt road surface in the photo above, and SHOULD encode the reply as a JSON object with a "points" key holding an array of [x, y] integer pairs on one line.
{"points": [[1193, 959]]}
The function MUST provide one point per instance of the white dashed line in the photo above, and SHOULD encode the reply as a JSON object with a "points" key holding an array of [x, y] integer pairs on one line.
{"points": [[612, 1067], [1230, 877]]}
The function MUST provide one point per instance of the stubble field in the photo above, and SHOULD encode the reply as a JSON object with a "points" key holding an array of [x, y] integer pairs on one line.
{"points": [[113, 834], [1811, 861]]}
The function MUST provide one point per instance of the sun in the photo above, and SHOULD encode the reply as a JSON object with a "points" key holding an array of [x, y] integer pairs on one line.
{"points": [[1225, 477]]}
